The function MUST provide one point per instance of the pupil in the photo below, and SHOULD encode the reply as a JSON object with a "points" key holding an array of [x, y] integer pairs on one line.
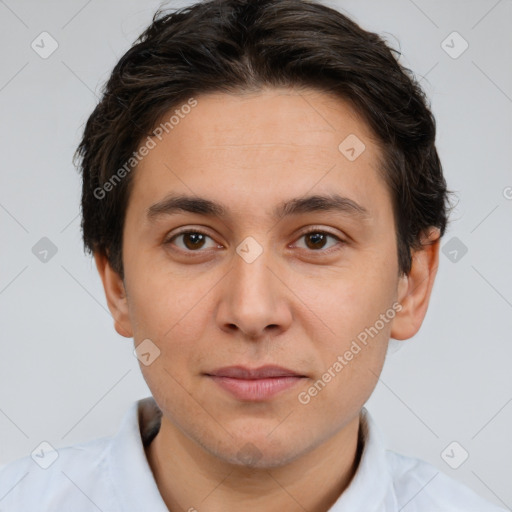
{"points": [[317, 239], [197, 240]]}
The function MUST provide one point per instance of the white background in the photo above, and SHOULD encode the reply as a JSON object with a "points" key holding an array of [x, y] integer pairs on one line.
{"points": [[65, 374]]}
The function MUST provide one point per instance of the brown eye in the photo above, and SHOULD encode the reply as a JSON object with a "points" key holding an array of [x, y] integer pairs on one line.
{"points": [[318, 240], [191, 241]]}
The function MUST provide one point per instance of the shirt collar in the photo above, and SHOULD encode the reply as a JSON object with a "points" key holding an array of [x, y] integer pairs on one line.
{"points": [[131, 474], [371, 488]]}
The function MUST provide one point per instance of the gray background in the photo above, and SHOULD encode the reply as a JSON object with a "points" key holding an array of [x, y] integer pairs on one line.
{"points": [[65, 374]]}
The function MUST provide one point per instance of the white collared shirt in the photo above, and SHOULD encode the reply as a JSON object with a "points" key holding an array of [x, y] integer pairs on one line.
{"points": [[112, 474]]}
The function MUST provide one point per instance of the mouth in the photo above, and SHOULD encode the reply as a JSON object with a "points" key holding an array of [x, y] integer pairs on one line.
{"points": [[257, 384]]}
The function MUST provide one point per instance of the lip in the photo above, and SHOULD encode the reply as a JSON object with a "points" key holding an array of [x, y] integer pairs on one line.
{"points": [[258, 384], [263, 372]]}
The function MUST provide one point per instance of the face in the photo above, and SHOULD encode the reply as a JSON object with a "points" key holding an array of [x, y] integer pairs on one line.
{"points": [[267, 277]]}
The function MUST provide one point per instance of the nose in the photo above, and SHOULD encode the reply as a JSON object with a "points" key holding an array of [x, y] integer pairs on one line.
{"points": [[253, 299]]}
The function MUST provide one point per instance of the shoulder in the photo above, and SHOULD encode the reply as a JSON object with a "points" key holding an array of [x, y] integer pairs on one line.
{"points": [[423, 487], [68, 478]]}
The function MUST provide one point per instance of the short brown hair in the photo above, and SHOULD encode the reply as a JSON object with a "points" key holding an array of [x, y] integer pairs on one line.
{"points": [[244, 45]]}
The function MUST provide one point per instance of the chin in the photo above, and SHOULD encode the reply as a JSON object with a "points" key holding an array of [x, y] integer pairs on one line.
{"points": [[258, 451]]}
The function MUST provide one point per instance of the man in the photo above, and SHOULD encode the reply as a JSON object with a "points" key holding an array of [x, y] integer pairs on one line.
{"points": [[264, 202]]}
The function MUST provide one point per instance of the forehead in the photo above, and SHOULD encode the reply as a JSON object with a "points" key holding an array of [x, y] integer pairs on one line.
{"points": [[251, 152]]}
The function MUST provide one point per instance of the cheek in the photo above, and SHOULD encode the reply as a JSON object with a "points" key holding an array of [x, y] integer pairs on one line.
{"points": [[172, 311], [350, 351], [350, 332], [171, 314], [338, 394], [164, 303], [348, 300]]}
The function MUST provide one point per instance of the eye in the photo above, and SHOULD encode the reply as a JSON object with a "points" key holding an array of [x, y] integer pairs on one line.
{"points": [[195, 240], [316, 240], [191, 241]]}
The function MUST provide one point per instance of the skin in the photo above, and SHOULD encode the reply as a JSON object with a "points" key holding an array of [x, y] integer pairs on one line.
{"points": [[297, 305]]}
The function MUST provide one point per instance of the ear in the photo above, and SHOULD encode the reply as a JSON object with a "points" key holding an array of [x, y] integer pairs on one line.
{"points": [[116, 295], [415, 288]]}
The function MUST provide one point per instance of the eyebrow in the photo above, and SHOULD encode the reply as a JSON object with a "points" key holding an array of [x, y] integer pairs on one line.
{"points": [[173, 204]]}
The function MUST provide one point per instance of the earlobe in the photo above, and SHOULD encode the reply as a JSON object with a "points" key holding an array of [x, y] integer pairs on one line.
{"points": [[414, 289], [115, 294]]}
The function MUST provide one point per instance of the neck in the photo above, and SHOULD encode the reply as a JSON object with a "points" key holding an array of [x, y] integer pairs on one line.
{"points": [[190, 478]]}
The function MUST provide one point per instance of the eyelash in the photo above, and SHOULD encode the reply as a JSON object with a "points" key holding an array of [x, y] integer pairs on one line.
{"points": [[312, 231]]}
